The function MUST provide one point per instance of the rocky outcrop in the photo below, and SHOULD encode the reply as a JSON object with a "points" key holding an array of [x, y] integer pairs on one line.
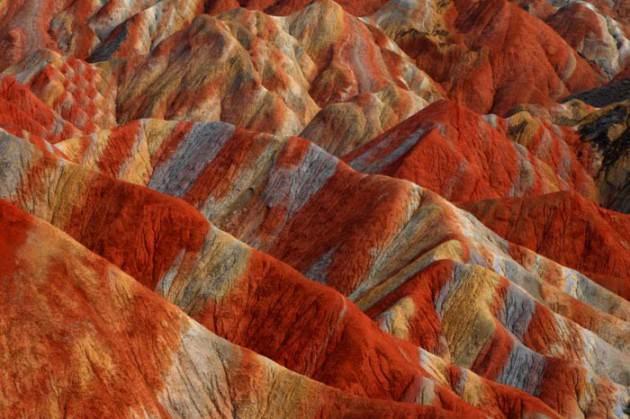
{"points": [[605, 151], [610, 93]]}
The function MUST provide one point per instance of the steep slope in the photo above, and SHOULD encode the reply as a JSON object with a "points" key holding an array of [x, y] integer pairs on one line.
{"points": [[283, 183], [86, 334], [550, 136], [595, 29], [263, 189], [465, 157], [69, 27], [198, 281], [576, 135], [606, 153], [490, 55], [377, 281], [573, 231], [79, 28], [452, 42], [319, 333]]}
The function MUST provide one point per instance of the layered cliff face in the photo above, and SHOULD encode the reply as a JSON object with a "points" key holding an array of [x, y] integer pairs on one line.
{"points": [[296, 209]]}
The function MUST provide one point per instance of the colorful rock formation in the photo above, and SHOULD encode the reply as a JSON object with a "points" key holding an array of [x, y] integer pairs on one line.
{"points": [[304, 209], [452, 150], [576, 233], [489, 55], [79, 326]]}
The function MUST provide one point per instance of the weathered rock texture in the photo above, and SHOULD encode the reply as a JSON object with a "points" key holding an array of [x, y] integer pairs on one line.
{"points": [[208, 210], [91, 341], [576, 233], [490, 55], [465, 156]]}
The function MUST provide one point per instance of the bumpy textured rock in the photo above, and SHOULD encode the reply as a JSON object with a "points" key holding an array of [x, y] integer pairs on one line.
{"points": [[81, 93], [278, 75], [23, 114]]}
